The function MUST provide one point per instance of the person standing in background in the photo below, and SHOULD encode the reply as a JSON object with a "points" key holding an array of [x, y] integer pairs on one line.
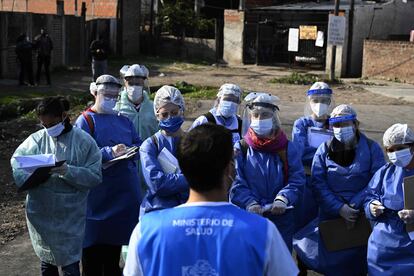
{"points": [[24, 55], [44, 46], [99, 53]]}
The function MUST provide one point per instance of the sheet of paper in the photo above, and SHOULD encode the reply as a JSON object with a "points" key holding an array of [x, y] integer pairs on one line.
{"points": [[168, 161], [293, 42], [317, 136], [408, 190], [30, 163], [129, 153], [319, 39], [268, 207]]}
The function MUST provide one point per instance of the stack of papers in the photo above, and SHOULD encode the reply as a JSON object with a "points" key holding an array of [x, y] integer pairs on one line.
{"points": [[168, 162], [30, 163], [317, 136], [408, 190]]}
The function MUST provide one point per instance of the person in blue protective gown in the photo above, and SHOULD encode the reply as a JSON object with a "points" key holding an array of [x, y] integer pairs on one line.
{"points": [[317, 108], [269, 173], [113, 207], [56, 208], [207, 235], [134, 101], [308, 133], [167, 186], [390, 246], [224, 111], [341, 171]]}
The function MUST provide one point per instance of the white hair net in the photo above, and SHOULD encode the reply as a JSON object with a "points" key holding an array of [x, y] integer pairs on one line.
{"points": [[342, 113], [107, 83], [93, 88], [168, 94], [230, 89], [260, 102], [135, 70], [320, 88], [398, 134]]}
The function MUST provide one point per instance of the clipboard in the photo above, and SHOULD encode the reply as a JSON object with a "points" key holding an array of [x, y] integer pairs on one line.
{"points": [[408, 188], [131, 152], [336, 236], [317, 136], [38, 177]]}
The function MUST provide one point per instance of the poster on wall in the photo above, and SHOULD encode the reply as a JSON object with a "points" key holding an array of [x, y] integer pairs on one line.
{"points": [[319, 39], [293, 43], [308, 32]]}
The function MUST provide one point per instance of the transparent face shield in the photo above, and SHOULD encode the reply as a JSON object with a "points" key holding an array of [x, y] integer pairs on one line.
{"points": [[260, 111], [319, 106]]}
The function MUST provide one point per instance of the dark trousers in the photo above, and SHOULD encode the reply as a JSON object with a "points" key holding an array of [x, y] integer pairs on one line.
{"points": [[101, 260], [26, 70], [51, 270], [43, 61]]}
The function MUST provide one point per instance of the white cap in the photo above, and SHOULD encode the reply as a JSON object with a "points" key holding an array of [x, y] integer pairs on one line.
{"points": [[256, 98], [319, 88], [398, 134], [135, 70], [168, 94], [343, 110], [230, 89]]}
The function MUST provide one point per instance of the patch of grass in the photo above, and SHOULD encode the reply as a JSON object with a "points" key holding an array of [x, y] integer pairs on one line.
{"points": [[303, 79], [197, 92]]}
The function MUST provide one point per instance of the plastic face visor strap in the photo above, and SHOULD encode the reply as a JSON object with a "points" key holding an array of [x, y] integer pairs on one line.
{"points": [[320, 92], [267, 105], [342, 119]]}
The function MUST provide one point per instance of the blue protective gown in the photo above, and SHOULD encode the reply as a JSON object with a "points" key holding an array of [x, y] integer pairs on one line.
{"points": [[56, 209], [260, 178], [333, 186], [165, 190], [113, 207], [306, 207], [230, 123], [390, 249]]}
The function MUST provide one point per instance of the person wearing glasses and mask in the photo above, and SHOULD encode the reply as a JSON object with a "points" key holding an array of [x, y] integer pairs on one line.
{"points": [[134, 102], [269, 174], [113, 207], [56, 208], [224, 111], [390, 246], [166, 188], [341, 170]]}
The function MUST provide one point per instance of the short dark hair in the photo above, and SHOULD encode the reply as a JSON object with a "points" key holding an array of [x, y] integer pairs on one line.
{"points": [[203, 155], [53, 106]]}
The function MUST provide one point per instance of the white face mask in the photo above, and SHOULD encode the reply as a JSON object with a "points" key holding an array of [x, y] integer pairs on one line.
{"points": [[227, 108], [344, 134], [55, 130], [107, 105], [135, 93], [401, 158], [262, 127], [319, 109]]}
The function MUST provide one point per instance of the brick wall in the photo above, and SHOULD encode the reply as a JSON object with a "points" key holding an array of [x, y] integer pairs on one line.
{"points": [[94, 8], [388, 60]]}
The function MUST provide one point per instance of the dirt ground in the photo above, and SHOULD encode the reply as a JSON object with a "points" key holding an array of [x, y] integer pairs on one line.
{"points": [[250, 78]]}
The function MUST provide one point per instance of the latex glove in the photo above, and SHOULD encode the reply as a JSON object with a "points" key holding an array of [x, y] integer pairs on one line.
{"points": [[118, 150], [376, 208], [407, 216], [278, 207], [255, 208], [348, 213], [61, 170]]}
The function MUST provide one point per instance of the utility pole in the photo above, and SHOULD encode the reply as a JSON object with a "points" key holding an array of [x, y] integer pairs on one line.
{"points": [[350, 34], [333, 54]]}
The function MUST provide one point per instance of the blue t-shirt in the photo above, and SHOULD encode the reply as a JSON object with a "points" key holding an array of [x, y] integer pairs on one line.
{"points": [[207, 238]]}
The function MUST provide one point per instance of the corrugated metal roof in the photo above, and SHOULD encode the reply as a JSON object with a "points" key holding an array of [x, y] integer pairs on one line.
{"points": [[323, 6]]}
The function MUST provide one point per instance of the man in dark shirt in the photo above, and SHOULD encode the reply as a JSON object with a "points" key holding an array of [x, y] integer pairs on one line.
{"points": [[44, 48], [99, 53], [24, 55]]}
